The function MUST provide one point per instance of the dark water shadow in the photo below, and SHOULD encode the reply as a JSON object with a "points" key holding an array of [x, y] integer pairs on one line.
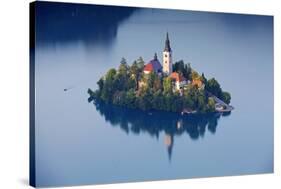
{"points": [[71, 22]]}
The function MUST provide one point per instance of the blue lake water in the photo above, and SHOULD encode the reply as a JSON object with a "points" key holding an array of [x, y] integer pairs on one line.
{"points": [[78, 142]]}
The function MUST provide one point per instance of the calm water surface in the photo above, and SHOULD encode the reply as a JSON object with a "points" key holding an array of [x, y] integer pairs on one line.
{"points": [[78, 142]]}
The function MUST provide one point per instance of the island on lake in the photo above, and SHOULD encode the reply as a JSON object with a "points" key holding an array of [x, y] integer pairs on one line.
{"points": [[174, 87]]}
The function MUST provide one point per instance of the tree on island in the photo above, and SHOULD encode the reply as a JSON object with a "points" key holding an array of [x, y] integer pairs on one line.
{"points": [[226, 97], [214, 87], [204, 79], [140, 63], [167, 85], [184, 69], [121, 87]]}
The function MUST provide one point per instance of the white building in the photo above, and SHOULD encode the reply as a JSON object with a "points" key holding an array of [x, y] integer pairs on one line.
{"points": [[178, 80], [167, 57]]}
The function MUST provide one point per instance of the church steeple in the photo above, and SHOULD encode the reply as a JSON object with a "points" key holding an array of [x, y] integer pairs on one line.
{"points": [[167, 44], [167, 57]]}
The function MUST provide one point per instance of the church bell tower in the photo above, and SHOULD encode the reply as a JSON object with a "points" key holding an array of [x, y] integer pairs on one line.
{"points": [[167, 57]]}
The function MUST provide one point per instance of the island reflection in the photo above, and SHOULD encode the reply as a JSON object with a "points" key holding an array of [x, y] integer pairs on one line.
{"points": [[154, 122]]}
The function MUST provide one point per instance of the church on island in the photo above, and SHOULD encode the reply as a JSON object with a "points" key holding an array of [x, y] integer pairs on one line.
{"points": [[130, 86], [167, 68]]}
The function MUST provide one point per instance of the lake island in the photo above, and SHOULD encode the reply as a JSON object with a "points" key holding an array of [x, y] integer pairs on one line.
{"points": [[174, 87]]}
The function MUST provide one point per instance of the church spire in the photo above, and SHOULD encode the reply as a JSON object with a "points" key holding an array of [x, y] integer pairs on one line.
{"points": [[167, 44], [155, 56], [167, 57]]}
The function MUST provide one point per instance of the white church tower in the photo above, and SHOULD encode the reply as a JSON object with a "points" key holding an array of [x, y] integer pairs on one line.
{"points": [[167, 57]]}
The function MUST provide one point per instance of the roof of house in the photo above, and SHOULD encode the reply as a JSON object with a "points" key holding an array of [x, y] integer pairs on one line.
{"points": [[148, 67], [153, 65], [197, 82], [176, 76]]}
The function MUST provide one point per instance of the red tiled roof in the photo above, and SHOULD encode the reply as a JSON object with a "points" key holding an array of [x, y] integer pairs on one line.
{"points": [[176, 76], [148, 67], [153, 65]]}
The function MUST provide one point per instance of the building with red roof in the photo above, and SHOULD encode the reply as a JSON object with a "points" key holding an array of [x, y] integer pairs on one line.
{"points": [[178, 80], [153, 66]]}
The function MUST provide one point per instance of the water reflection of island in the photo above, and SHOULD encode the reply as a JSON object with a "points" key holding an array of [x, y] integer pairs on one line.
{"points": [[154, 122]]}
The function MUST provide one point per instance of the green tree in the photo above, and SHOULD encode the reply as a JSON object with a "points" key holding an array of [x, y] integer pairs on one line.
{"points": [[122, 76], [177, 103], [110, 75], [123, 67], [150, 78], [134, 73], [179, 67], [134, 69], [144, 100], [188, 102], [130, 99], [119, 98], [108, 86], [204, 80], [201, 102], [157, 84], [168, 101], [140, 63], [130, 84], [214, 87], [188, 71], [157, 100], [184, 69], [193, 92], [211, 104], [120, 82], [100, 83], [167, 85], [106, 93], [194, 75], [226, 97]]}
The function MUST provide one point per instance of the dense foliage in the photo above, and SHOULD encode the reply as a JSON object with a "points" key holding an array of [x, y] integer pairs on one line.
{"points": [[214, 87], [128, 86], [184, 69]]}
